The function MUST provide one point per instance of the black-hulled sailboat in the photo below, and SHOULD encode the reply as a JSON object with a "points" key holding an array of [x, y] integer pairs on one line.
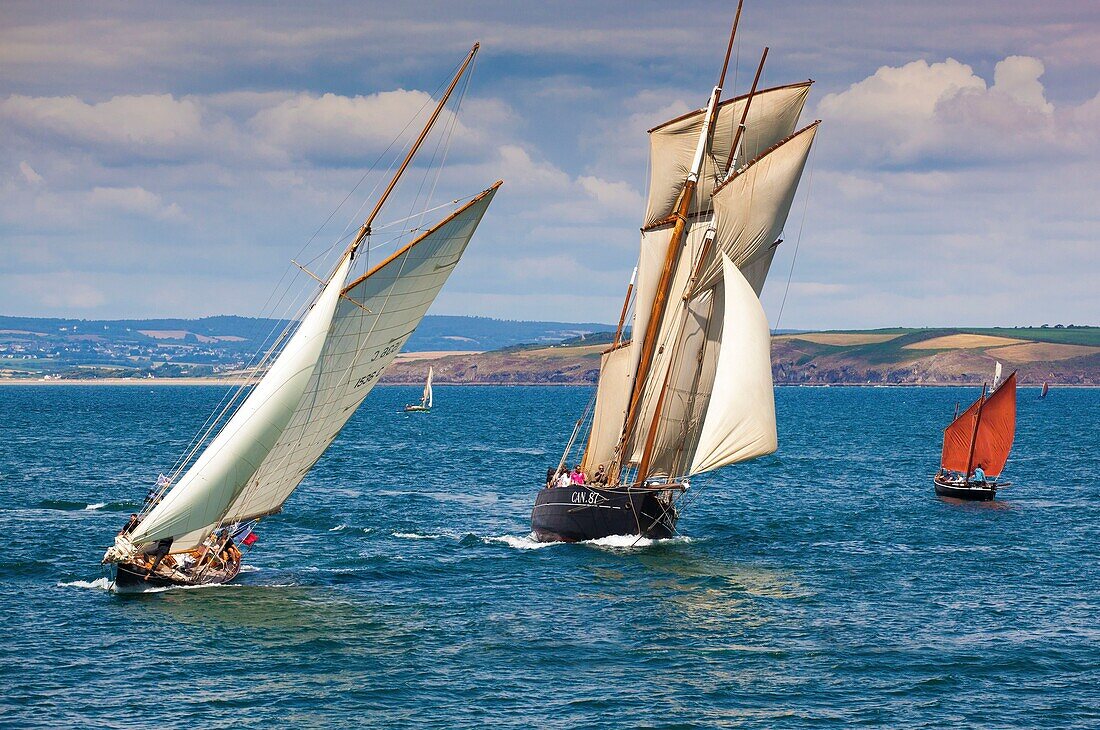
{"points": [[691, 391], [278, 424], [980, 438]]}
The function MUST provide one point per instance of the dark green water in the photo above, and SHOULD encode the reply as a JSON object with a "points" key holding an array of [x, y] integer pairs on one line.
{"points": [[825, 586]]}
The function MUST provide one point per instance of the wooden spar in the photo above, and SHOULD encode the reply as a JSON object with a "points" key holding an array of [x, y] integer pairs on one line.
{"points": [[626, 305], [365, 230], [729, 48], [745, 112], [974, 436], [707, 242], [649, 342]]}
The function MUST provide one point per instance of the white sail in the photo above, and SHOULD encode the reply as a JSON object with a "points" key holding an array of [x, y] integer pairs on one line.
{"points": [[772, 117], [612, 399], [196, 503], [996, 377], [740, 421], [379, 312], [426, 399]]}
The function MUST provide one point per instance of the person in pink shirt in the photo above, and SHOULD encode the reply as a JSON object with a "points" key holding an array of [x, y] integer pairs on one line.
{"points": [[577, 476]]}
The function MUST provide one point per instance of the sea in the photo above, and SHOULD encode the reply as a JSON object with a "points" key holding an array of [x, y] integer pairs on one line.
{"points": [[824, 586]]}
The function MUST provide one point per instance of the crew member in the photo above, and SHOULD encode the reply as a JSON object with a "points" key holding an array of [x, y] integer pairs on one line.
{"points": [[979, 474], [131, 525]]}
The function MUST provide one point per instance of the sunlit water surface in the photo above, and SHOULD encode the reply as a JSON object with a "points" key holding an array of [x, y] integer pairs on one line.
{"points": [[824, 586]]}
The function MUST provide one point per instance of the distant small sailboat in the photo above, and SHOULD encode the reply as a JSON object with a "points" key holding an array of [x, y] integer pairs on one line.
{"points": [[978, 438], [1045, 390], [318, 373], [425, 403]]}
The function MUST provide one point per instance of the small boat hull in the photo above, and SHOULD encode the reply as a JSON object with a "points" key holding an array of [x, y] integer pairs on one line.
{"points": [[417, 409], [132, 577], [581, 512], [971, 492]]}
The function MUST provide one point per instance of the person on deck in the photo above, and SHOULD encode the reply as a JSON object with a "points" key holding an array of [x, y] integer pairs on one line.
{"points": [[600, 476], [578, 476], [131, 525], [551, 475], [979, 475], [563, 479]]}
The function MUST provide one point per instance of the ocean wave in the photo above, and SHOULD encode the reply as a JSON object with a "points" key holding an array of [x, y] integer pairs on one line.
{"points": [[629, 542], [339, 528], [526, 542], [65, 505], [99, 584], [508, 449], [416, 536]]}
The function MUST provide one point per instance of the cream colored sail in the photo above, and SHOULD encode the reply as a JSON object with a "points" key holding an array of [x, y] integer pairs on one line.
{"points": [[740, 420], [772, 117], [195, 504], [751, 209], [379, 312], [612, 399]]}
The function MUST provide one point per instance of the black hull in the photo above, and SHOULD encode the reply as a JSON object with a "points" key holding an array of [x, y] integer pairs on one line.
{"points": [[130, 577], [972, 492], [577, 513]]}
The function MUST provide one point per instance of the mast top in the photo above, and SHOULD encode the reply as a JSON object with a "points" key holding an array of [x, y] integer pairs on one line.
{"points": [[366, 230]]}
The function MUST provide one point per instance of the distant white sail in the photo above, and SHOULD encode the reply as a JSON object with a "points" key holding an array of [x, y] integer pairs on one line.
{"points": [[773, 116], [379, 312], [196, 503], [740, 421], [426, 399], [996, 377]]}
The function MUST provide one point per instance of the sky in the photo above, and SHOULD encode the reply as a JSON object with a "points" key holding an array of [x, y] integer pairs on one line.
{"points": [[170, 159]]}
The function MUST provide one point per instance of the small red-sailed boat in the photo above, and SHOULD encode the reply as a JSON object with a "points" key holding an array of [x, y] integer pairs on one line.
{"points": [[980, 437]]}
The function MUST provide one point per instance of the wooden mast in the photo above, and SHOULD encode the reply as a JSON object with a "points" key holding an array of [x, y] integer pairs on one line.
{"points": [[626, 305], [974, 436], [745, 113], [365, 230], [660, 302]]}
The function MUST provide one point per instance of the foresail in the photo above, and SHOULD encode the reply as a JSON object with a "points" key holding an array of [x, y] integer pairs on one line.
{"points": [[377, 314], [773, 116], [740, 420], [195, 504]]}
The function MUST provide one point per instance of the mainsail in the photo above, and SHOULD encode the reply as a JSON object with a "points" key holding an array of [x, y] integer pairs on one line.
{"points": [[377, 314], [983, 433]]}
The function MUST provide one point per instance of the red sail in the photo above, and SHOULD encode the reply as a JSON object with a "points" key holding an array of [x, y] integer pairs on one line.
{"points": [[993, 441]]}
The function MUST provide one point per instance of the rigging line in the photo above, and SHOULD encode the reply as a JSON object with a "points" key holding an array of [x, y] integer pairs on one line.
{"points": [[798, 241]]}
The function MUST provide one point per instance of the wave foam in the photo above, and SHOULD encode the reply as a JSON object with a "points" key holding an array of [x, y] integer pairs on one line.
{"points": [[99, 584], [627, 542], [527, 542], [93, 507], [416, 536], [339, 528]]}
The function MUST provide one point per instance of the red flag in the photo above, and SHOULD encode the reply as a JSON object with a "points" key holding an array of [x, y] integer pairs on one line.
{"points": [[250, 539]]}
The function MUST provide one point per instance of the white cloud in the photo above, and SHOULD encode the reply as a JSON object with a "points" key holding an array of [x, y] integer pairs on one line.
{"points": [[135, 200], [943, 113]]}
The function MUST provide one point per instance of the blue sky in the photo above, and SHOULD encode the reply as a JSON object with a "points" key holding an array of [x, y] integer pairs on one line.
{"points": [[169, 159]]}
